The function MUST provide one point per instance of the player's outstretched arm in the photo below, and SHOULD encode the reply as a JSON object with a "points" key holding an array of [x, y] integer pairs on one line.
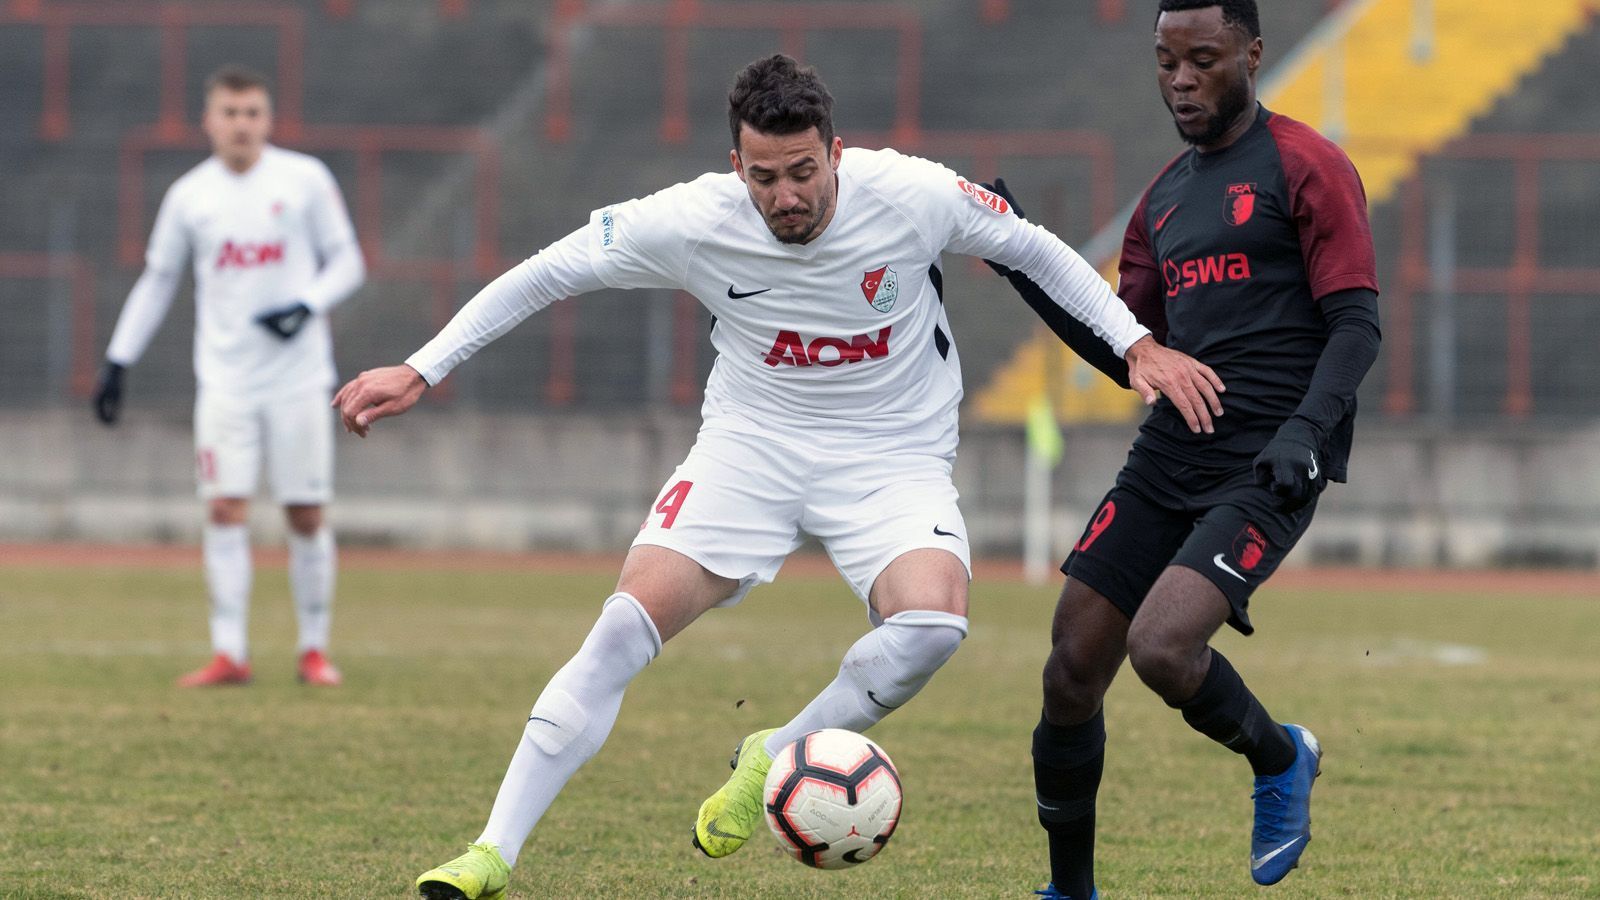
{"points": [[377, 394], [1077, 335], [1190, 384], [1075, 286]]}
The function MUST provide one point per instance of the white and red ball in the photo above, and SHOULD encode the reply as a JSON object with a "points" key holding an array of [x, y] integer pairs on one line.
{"points": [[832, 799]]}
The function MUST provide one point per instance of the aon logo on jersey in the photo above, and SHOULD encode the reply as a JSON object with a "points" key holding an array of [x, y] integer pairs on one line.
{"points": [[246, 255], [790, 349]]}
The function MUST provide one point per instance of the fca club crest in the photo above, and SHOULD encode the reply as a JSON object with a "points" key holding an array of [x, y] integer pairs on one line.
{"points": [[881, 287], [1249, 547], [1239, 203]]}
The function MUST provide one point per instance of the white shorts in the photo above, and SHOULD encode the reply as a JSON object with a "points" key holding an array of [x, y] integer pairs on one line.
{"points": [[295, 431], [740, 504]]}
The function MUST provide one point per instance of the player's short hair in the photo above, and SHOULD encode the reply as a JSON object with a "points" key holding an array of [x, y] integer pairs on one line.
{"points": [[777, 95], [1241, 14], [236, 78]]}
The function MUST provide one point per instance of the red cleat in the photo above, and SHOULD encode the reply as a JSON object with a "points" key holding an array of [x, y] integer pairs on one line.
{"points": [[221, 670], [315, 669]]}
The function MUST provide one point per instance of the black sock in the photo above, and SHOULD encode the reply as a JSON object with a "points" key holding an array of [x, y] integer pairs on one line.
{"points": [[1067, 761], [1225, 711]]}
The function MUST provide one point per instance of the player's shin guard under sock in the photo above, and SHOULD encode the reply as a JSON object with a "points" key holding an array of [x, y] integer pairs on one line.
{"points": [[312, 563], [880, 672], [226, 551], [1225, 711], [1067, 762], [571, 720]]}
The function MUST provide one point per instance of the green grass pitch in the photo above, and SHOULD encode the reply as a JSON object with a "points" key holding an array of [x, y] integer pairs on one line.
{"points": [[1462, 733]]}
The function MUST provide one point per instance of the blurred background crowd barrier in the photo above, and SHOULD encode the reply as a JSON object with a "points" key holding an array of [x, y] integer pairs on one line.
{"points": [[467, 134]]}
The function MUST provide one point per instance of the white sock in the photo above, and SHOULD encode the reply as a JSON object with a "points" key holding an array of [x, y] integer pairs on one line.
{"points": [[571, 720], [312, 563], [880, 672], [226, 550]]}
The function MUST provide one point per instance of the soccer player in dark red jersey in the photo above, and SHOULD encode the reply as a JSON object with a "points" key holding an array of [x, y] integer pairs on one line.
{"points": [[1252, 253]]}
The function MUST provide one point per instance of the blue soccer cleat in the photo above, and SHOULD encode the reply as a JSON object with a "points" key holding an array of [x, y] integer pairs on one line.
{"points": [[1050, 893], [1283, 811]]}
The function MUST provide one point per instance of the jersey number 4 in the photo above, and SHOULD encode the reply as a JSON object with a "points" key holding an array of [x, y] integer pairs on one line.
{"points": [[672, 501]]}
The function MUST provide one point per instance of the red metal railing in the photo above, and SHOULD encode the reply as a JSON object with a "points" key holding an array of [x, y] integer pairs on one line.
{"points": [[343, 9], [675, 19], [1520, 281], [174, 20], [79, 273], [993, 12]]}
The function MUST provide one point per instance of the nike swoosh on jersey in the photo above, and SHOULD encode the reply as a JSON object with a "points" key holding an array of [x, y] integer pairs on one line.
{"points": [[738, 295], [1257, 862], [1166, 215], [947, 533], [1312, 472], [1225, 567]]}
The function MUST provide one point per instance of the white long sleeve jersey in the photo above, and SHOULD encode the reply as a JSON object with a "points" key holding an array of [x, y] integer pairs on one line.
{"points": [[273, 235], [841, 341]]}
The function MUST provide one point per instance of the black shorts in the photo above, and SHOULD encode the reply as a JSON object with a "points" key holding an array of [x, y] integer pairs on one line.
{"points": [[1218, 522]]}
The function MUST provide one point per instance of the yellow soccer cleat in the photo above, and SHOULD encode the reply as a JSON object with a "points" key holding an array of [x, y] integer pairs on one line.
{"points": [[733, 813], [478, 874]]}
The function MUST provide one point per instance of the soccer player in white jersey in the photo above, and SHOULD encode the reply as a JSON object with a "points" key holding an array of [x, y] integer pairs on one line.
{"points": [[273, 252], [831, 410]]}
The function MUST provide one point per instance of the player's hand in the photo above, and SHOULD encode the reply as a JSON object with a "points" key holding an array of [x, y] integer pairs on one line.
{"points": [[377, 394], [108, 393], [1192, 387], [1291, 466], [285, 322], [999, 187]]}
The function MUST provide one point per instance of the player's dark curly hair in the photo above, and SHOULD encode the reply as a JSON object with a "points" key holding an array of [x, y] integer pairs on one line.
{"points": [[1238, 13], [777, 95]]}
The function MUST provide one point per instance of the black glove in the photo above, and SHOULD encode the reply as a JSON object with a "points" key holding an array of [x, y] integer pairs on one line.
{"points": [[1291, 466], [285, 322], [999, 187], [108, 393]]}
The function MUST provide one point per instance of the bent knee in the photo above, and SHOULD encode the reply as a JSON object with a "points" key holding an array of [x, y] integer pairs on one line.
{"points": [[925, 579], [228, 510], [1071, 693], [304, 520], [1165, 665]]}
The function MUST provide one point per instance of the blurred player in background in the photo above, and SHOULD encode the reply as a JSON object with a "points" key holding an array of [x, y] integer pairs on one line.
{"points": [[1251, 251], [273, 252], [831, 410]]}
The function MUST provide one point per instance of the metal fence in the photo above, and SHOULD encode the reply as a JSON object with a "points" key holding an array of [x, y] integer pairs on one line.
{"points": [[1487, 256]]}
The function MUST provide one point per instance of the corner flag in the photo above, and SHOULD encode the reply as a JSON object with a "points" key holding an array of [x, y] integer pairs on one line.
{"points": [[1043, 435]]}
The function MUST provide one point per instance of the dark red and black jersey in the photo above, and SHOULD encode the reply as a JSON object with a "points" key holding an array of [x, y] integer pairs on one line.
{"points": [[1226, 259]]}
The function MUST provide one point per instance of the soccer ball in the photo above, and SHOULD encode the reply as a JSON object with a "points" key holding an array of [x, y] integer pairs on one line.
{"points": [[832, 798]]}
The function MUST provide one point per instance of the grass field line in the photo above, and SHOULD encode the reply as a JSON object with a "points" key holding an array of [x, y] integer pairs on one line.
{"points": [[1530, 582]]}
